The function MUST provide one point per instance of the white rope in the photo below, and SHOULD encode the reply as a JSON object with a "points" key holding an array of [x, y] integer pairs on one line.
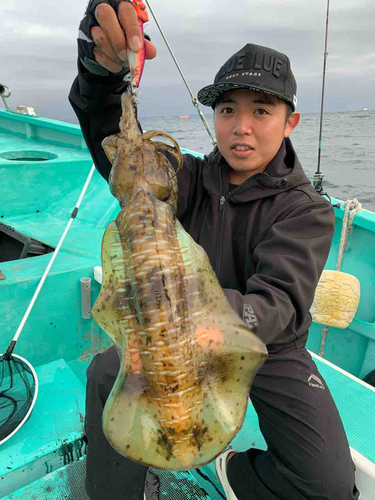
{"points": [[351, 208], [323, 342]]}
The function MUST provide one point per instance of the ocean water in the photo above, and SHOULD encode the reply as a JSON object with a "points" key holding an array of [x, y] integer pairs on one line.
{"points": [[348, 148]]}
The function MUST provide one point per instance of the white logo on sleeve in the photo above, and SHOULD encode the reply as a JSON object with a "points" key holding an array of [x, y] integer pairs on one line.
{"points": [[249, 317], [315, 381]]}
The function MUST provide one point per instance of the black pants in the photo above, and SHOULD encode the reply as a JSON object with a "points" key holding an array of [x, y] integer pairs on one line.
{"points": [[308, 455]]}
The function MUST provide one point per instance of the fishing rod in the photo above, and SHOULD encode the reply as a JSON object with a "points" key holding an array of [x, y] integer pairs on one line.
{"points": [[16, 371], [51, 261], [318, 176], [194, 100]]}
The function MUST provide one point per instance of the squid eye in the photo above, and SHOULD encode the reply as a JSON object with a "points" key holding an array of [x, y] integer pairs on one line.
{"points": [[160, 192]]}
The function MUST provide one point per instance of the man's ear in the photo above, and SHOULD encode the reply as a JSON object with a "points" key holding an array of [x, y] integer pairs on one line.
{"points": [[291, 123]]}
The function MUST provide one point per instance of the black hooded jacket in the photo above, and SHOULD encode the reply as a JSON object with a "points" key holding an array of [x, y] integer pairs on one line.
{"points": [[267, 239]]}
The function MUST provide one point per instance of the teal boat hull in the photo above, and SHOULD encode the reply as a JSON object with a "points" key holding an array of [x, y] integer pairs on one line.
{"points": [[43, 167]]}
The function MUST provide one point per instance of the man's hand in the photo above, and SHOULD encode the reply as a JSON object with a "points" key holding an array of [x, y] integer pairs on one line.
{"points": [[109, 27]]}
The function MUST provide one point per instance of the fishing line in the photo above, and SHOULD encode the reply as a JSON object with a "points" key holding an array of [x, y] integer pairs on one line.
{"points": [[194, 100], [319, 177]]}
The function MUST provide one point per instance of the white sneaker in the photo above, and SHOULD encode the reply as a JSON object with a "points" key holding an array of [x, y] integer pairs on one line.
{"points": [[221, 472]]}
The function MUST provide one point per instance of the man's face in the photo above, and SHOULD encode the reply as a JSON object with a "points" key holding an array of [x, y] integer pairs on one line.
{"points": [[250, 127]]}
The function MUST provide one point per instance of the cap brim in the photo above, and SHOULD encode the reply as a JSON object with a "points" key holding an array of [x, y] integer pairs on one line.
{"points": [[209, 95]]}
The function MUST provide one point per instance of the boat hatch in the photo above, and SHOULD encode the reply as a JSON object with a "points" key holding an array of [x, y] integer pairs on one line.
{"points": [[15, 245], [28, 155]]}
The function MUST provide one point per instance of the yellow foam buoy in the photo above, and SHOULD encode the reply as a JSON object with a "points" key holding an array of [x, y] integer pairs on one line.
{"points": [[336, 299]]}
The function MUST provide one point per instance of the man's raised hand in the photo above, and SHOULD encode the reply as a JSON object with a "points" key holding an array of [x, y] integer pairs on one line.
{"points": [[108, 28]]}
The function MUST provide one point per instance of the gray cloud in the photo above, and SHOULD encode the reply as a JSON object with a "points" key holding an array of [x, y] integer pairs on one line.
{"points": [[39, 62]]}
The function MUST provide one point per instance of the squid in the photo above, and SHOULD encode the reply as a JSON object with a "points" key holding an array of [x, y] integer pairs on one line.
{"points": [[187, 360]]}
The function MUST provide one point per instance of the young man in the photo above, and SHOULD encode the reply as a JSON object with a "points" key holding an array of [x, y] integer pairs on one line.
{"points": [[267, 234]]}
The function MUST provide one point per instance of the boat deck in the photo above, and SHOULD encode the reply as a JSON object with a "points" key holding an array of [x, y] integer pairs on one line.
{"points": [[43, 167], [53, 437]]}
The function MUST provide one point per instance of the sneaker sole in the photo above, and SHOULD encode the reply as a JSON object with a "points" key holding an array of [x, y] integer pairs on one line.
{"points": [[221, 466]]}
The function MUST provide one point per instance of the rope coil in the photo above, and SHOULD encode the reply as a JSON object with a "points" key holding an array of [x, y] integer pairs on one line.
{"points": [[351, 208]]}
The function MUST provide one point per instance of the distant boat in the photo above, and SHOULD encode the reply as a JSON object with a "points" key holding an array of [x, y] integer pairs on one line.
{"points": [[184, 117], [364, 109]]}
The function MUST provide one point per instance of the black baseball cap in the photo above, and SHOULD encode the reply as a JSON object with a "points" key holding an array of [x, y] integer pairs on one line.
{"points": [[254, 67]]}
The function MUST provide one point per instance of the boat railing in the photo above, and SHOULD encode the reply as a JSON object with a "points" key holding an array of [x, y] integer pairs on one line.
{"points": [[5, 92]]}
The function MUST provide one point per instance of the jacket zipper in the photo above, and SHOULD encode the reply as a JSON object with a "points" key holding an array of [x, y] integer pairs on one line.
{"points": [[222, 204], [221, 235], [222, 201]]}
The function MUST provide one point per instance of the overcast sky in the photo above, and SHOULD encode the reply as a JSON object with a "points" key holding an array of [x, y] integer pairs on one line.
{"points": [[38, 50]]}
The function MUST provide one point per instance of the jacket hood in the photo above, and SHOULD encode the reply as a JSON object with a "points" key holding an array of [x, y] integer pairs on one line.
{"points": [[284, 172]]}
